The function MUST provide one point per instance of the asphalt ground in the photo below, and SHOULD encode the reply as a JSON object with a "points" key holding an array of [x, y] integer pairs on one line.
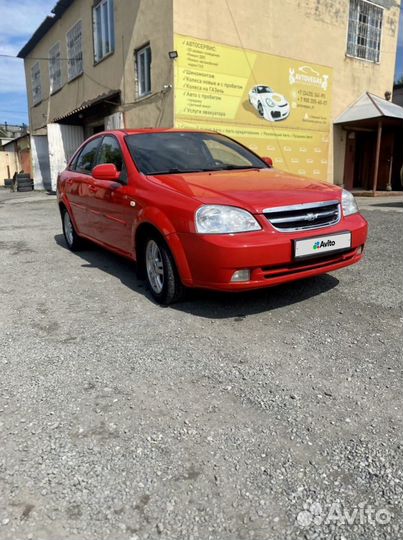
{"points": [[268, 415]]}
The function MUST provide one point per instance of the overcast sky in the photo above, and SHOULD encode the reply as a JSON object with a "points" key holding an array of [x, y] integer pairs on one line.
{"points": [[18, 20]]}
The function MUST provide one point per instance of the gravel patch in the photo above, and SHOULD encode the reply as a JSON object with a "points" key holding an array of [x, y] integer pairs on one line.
{"points": [[273, 414]]}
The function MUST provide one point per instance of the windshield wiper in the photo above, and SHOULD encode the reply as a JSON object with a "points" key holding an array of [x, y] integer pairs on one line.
{"points": [[235, 167], [174, 170]]}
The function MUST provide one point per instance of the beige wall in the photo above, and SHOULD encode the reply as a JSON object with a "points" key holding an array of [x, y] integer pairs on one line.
{"points": [[310, 30], [9, 164], [136, 23]]}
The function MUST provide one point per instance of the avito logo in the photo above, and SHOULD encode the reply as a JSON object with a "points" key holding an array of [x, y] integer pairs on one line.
{"points": [[321, 244]]}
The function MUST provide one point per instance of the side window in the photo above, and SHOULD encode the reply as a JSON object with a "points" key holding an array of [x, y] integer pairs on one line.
{"points": [[111, 152], [86, 159]]}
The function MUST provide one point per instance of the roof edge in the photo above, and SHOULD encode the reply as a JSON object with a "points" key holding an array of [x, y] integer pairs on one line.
{"points": [[60, 8]]}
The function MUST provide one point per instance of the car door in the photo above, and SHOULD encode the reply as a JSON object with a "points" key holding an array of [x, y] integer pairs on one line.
{"points": [[79, 187], [111, 200]]}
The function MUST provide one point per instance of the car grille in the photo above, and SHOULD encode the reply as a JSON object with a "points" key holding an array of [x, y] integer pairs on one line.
{"points": [[304, 216]]}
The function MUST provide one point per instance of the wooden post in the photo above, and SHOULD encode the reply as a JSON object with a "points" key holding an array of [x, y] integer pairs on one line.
{"points": [[378, 151]]}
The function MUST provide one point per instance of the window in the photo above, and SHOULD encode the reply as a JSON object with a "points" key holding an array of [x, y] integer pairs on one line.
{"points": [[104, 31], [110, 152], [75, 51], [364, 30], [143, 63], [86, 159], [36, 84], [55, 68]]}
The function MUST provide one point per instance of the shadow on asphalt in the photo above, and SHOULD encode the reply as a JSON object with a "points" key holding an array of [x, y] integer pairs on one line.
{"points": [[394, 204], [208, 304]]}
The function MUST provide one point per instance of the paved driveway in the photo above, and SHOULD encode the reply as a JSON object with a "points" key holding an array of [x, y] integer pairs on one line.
{"points": [[270, 415]]}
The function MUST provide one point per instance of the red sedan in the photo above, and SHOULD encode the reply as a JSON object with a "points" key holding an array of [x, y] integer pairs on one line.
{"points": [[197, 209]]}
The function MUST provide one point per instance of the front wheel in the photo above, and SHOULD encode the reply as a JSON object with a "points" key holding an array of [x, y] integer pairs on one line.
{"points": [[161, 273], [260, 109]]}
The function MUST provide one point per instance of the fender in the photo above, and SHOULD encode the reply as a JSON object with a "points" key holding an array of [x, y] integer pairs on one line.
{"points": [[155, 217]]}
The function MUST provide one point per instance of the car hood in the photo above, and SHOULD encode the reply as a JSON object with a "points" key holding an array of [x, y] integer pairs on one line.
{"points": [[254, 189]]}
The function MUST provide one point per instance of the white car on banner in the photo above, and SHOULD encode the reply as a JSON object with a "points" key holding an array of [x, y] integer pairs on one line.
{"points": [[269, 104]]}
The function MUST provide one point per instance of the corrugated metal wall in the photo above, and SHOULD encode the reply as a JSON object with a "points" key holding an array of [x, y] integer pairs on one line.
{"points": [[63, 141]]}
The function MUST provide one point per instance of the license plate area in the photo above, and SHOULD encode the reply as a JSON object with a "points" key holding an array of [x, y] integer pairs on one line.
{"points": [[317, 246]]}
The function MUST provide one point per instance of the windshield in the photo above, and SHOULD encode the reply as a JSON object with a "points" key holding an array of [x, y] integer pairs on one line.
{"points": [[264, 90], [185, 152]]}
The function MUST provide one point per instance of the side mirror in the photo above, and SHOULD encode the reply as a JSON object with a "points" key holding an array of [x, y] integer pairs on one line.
{"points": [[268, 161], [106, 171]]}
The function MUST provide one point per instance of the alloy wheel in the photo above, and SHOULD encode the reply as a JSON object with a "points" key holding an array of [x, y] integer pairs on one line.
{"points": [[154, 266]]}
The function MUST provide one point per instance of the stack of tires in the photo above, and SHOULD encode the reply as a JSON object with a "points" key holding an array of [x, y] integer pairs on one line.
{"points": [[24, 182], [8, 182]]}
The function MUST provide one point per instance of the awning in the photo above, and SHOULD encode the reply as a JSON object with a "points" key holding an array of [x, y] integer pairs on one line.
{"points": [[111, 98], [369, 106]]}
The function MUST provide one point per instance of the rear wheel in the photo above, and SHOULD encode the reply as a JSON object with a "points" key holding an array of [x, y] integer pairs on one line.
{"points": [[73, 241], [161, 273]]}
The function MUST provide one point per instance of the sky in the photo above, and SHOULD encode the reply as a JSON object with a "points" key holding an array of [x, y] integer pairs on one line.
{"points": [[399, 55], [18, 20]]}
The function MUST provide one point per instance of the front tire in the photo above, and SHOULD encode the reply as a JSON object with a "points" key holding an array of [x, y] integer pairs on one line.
{"points": [[161, 273], [260, 109], [73, 241]]}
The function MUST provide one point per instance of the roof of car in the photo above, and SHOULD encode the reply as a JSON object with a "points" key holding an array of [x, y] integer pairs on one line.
{"points": [[161, 130]]}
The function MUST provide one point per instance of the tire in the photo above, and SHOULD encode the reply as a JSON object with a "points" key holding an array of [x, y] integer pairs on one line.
{"points": [[25, 188], [161, 272], [24, 184], [260, 109], [23, 176], [8, 182], [73, 241]]}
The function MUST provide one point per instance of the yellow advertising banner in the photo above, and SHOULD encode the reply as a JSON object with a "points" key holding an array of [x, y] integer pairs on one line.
{"points": [[277, 106]]}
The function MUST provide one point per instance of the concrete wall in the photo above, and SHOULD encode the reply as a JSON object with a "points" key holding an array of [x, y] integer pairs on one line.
{"points": [[310, 30], [136, 23]]}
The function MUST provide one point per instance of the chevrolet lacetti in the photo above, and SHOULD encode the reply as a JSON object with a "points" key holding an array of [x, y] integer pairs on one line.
{"points": [[197, 209]]}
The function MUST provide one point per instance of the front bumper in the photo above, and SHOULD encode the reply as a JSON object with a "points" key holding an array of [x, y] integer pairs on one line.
{"points": [[268, 254]]}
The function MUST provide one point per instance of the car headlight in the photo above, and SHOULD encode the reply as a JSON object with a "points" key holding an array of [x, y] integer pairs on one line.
{"points": [[215, 219], [270, 102], [348, 203]]}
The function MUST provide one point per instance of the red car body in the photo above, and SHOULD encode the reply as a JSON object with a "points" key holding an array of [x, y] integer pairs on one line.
{"points": [[115, 215]]}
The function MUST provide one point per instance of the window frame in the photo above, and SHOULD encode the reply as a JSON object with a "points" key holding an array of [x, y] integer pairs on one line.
{"points": [[36, 97], [141, 52], [124, 171], [354, 56], [53, 60], [71, 59], [110, 30]]}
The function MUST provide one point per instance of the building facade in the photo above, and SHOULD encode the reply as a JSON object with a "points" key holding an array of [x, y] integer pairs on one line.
{"points": [[276, 83]]}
